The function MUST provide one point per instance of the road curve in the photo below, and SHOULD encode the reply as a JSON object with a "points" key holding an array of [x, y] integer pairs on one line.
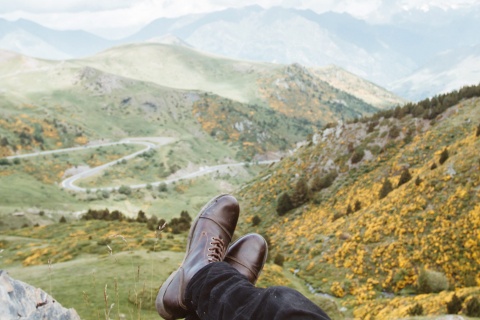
{"points": [[69, 182]]}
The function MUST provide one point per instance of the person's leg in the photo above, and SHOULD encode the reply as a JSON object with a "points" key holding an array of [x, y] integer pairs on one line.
{"points": [[218, 291]]}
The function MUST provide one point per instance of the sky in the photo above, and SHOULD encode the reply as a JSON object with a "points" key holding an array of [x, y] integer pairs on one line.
{"points": [[119, 18]]}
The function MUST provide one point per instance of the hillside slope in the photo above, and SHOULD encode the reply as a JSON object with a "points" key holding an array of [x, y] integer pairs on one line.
{"points": [[352, 236]]}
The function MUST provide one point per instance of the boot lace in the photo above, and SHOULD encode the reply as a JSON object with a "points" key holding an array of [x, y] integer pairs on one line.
{"points": [[216, 250]]}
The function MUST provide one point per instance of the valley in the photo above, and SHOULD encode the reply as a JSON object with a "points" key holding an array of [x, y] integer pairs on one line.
{"points": [[360, 194]]}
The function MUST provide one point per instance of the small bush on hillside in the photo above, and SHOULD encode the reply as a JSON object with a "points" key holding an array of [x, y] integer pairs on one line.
{"points": [[472, 307], [349, 210], [300, 194], [4, 162], [322, 182], [162, 187], [284, 204], [256, 220], [415, 310], [404, 177], [418, 181], [394, 132], [434, 166], [443, 156], [454, 305], [125, 190], [62, 220], [386, 188], [357, 206], [431, 281], [358, 155], [141, 217], [279, 259], [477, 134]]}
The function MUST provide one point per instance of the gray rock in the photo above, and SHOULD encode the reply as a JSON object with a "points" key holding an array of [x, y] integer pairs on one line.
{"points": [[19, 300]]}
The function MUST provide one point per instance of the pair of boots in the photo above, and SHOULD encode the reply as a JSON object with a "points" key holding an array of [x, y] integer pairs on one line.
{"points": [[208, 240]]}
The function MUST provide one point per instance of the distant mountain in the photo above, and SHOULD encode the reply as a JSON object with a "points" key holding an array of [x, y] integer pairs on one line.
{"points": [[382, 53], [445, 72], [279, 35], [34, 40], [386, 54], [151, 89]]}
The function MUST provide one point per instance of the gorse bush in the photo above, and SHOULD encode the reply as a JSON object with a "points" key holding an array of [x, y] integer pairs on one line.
{"points": [[284, 204], [431, 281], [415, 310], [472, 307], [443, 156], [386, 188], [404, 177], [358, 155], [454, 305]]}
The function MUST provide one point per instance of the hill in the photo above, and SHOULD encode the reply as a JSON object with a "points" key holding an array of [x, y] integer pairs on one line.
{"points": [[365, 206], [217, 111]]}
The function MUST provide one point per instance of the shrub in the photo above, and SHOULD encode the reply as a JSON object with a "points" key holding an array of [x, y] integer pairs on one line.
{"points": [[404, 177], [125, 190], [394, 132], [349, 210], [105, 194], [418, 181], [434, 166], [300, 195], [256, 220], [386, 188], [443, 156], [472, 307], [454, 305], [322, 182], [279, 259], [477, 134], [284, 204], [431, 281], [162, 187], [4, 162], [415, 310], [141, 217], [62, 220], [357, 206], [358, 155]]}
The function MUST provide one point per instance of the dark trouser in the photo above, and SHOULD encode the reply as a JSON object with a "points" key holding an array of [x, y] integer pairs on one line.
{"points": [[218, 291]]}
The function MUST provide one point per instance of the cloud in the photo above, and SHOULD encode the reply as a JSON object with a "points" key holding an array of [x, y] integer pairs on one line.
{"points": [[109, 17]]}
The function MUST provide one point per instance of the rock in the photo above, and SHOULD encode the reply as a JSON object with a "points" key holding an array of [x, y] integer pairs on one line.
{"points": [[19, 300]]}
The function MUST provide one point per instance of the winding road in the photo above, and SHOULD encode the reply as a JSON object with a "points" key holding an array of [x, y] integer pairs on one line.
{"points": [[147, 142]]}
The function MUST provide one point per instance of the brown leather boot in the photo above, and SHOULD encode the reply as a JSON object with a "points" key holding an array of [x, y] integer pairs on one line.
{"points": [[248, 255], [209, 237]]}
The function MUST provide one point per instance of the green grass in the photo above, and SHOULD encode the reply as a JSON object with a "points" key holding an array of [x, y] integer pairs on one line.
{"points": [[81, 283]]}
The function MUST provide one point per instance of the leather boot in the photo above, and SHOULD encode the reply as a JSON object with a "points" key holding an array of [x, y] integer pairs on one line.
{"points": [[248, 255], [209, 237]]}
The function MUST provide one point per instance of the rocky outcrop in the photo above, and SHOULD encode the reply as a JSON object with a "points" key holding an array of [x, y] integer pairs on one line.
{"points": [[19, 300]]}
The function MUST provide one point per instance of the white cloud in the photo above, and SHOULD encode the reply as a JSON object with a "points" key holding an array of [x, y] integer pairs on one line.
{"points": [[128, 15]]}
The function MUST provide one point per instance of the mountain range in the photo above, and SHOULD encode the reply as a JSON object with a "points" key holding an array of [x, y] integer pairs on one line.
{"points": [[392, 54]]}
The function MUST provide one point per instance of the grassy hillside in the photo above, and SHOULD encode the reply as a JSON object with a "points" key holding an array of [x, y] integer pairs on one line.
{"points": [[283, 88], [375, 202], [118, 266]]}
